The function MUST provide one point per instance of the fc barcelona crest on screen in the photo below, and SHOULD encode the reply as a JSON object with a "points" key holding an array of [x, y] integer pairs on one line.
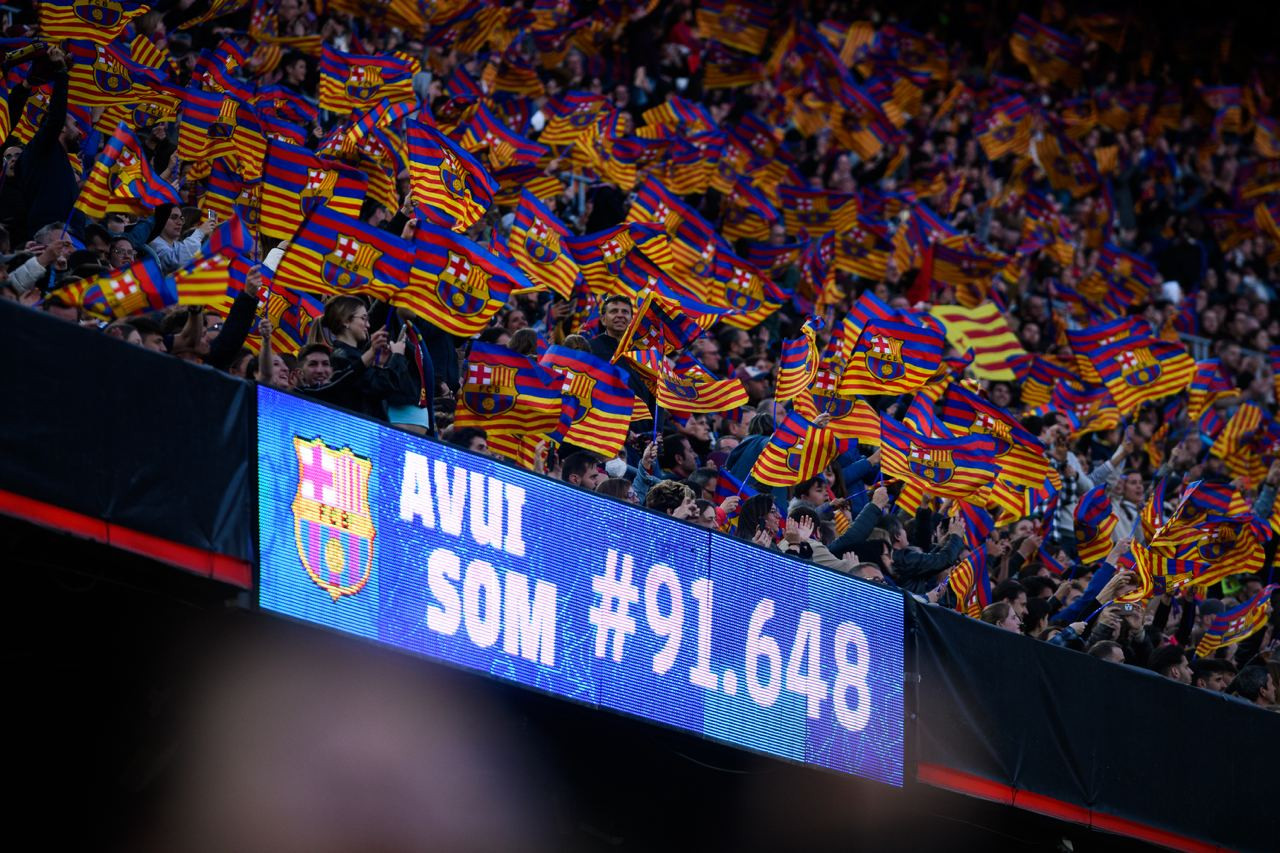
{"points": [[332, 521]]}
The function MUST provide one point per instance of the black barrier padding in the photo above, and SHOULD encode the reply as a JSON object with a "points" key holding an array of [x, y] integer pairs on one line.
{"points": [[1111, 737], [133, 437]]}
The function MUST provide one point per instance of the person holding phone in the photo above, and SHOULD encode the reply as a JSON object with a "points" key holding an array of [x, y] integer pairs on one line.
{"points": [[368, 368], [173, 250]]}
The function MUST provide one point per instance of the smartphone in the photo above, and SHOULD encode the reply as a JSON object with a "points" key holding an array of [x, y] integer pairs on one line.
{"points": [[1128, 607]]}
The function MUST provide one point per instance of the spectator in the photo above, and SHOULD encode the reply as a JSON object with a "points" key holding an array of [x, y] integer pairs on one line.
{"points": [[171, 249], [1212, 674], [1002, 615], [471, 438], [1171, 662], [367, 368], [672, 498], [582, 469], [1254, 684]]}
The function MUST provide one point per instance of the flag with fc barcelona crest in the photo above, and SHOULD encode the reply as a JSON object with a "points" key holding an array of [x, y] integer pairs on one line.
{"points": [[797, 451], [336, 254], [892, 357], [349, 82], [946, 467], [456, 284], [536, 248], [450, 187], [1139, 370]]}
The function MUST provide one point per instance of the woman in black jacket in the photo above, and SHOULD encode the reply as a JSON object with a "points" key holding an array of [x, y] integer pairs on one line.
{"points": [[367, 367]]}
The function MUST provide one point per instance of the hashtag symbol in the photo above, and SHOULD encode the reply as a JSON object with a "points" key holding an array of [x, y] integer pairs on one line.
{"points": [[612, 617]]}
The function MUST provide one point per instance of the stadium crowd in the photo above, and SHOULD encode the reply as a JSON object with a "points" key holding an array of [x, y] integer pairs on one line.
{"points": [[856, 164]]}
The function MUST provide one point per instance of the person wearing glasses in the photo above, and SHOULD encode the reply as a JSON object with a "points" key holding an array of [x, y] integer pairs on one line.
{"points": [[171, 248], [121, 254], [368, 367]]}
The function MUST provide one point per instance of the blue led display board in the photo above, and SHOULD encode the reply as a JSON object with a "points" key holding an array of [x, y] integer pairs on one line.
{"points": [[435, 551]]}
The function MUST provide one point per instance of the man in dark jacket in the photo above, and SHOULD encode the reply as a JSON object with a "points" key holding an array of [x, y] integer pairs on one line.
{"points": [[45, 178]]}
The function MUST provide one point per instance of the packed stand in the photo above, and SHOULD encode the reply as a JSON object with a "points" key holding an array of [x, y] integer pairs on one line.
{"points": [[977, 305]]}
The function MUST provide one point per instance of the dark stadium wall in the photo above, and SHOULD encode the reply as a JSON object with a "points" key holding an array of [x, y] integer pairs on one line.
{"points": [[111, 442]]}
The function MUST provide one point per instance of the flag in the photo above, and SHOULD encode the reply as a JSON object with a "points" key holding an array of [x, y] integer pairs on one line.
{"points": [[797, 451], [218, 124], [103, 75], [1094, 524], [851, 417], [296, 182], [506, 148], [966, 265], [123, 172], [450, 187], [864, 249], [1120, 279], [969, 589], [1266, 138], [984, 330], [604, 255], [686, 391], [1233, 444], [215, 9], [740, 24], [1237, 623], [798, 365], [142, 287], [335, 254], [1005, 128], [535, 246], [100, 21], [655, 326], [1066, 165], [572, 116], [456, 284], [504, 392], [1142, 370], [946, 467], [892, 357], [1050, 55], [597, 405], [350, 82], [815, 212], [1020, 455]]}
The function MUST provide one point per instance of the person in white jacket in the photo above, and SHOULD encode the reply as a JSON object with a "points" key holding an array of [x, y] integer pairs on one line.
{"points": [[171, 248]]}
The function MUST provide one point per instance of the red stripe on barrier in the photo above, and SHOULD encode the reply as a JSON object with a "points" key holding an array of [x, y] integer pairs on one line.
{"points": [[998, 792], [197, 560]]}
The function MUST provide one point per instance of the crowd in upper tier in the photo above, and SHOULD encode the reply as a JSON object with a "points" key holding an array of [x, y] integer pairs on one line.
{"points": [[1069, 171]]}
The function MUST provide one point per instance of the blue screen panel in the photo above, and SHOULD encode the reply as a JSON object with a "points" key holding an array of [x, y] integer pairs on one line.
{"points": [[429, 549]]}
